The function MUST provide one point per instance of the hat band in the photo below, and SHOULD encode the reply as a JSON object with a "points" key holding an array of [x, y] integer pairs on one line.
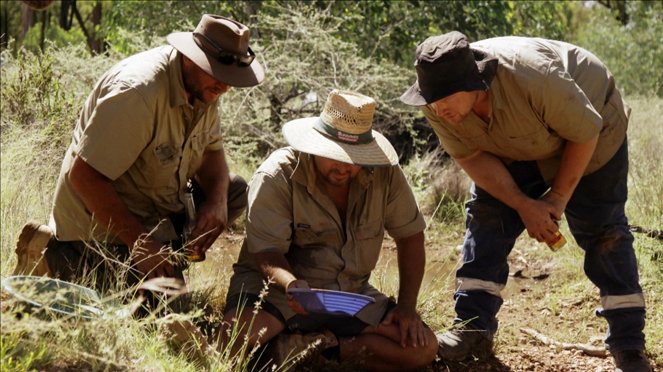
{"points": [[210, 47], [345, 137]]}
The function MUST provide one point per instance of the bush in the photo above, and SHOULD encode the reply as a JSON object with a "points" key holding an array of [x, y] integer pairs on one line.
{"points": [[634, 52]]}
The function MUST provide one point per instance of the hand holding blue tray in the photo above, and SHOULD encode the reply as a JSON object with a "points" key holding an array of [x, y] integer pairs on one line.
{"points": [[325, 301]]}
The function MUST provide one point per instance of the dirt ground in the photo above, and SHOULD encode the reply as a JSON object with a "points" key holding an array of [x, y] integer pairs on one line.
{"points": [[521, 351], [525, 308], [515, 350]]}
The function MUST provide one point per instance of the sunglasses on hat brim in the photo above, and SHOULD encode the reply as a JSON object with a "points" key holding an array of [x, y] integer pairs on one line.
{"points": [[223, 56]]}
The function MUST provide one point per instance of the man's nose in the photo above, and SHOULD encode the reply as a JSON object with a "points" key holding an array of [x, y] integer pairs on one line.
{"points": [[440, 108], [343, 167], [222, 87]]}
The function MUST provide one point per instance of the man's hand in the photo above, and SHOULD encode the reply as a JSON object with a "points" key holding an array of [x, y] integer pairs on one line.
{"points": [[539, 217], [211, 220], [410, 325], [558, 203], [294, 304], [212, 216], [152, 259]]}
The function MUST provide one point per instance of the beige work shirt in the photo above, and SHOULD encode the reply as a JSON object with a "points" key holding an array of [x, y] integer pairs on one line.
{"points": [[138, 129], [287, 213], [544, 94]]}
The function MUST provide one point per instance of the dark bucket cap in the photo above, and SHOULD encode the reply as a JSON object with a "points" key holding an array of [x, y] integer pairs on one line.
{"points": [[446, 65]]}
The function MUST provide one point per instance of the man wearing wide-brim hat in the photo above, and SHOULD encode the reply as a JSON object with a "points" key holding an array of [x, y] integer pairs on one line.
{"points": [[540, 127], [149, 127], [317, 213]]}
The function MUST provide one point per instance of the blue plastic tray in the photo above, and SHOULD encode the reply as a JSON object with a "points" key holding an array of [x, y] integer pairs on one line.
{"points": [[325, 301]]}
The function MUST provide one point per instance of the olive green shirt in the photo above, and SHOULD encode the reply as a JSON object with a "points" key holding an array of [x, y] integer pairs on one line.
{"points": [[544, 93], [287, 213], [138, 129]]}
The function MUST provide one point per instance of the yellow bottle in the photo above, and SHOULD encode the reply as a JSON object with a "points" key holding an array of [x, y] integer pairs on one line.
{"points": [[190, 210], [557, 242]]}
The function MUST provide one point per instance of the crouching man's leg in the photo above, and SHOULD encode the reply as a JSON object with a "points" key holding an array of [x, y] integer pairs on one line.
{"points": [[243, 328], [372, 348], [30, 248], [379, 348]]}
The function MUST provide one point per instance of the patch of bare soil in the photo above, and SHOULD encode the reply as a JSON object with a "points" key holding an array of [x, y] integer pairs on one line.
{"points": [[526, 356], [538, 351]]}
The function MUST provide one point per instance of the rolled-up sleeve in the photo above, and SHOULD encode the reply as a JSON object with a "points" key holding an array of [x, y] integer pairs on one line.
{"points": [[566, 108], [269, 214], [403, 217], [117, 132]]}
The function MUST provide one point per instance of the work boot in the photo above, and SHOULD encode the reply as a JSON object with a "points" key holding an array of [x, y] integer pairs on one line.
{"points": [[183, 333], [30, 249], [291, 349], [460, 344], [631, 361]]}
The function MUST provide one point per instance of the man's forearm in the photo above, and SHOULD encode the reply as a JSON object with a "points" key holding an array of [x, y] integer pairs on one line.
{"points": [[489, 173], [575, 158], [101, 199], [274, 266], [411, 265], [213, 176]]}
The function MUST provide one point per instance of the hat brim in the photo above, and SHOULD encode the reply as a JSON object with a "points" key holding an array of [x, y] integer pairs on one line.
{"points": [[486, 65], [233, 75], [414, 97], [301, 135]]}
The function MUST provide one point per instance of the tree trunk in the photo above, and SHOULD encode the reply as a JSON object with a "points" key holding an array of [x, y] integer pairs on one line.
{"points": [[27, 20], [4, 32], [96, 45], [44, 22]]}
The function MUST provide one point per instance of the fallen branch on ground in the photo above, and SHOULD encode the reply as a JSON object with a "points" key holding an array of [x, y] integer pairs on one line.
{"points": [[585, 348], [652, 233]]}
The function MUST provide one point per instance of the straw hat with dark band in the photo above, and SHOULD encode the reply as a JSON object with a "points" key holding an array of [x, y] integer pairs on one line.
{"points": [[342, 132], [220, 46]]}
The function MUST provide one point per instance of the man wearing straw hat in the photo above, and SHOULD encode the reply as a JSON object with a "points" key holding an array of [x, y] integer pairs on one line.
{"points": [[316, 216], [148, 128], [540, 127]]}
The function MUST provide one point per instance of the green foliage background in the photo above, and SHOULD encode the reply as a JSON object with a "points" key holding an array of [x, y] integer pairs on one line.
{"points": [[310, 47]]}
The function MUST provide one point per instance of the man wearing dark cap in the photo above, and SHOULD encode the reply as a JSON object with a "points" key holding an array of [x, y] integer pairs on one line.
{"points": [[540, 127], [149, 127]]}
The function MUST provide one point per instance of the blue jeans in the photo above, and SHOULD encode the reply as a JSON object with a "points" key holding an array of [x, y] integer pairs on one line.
{"points": [[596, 217]]}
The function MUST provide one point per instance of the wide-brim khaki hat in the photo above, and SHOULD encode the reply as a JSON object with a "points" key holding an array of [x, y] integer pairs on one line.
{"points": [[220, 46], [343, 132]]}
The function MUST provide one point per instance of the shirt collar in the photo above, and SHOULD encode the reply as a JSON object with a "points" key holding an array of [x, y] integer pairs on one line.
{"points": [[175, 81], [496, 97]]}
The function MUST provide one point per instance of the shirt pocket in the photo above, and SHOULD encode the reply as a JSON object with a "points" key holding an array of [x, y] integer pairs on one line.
{"points": [[314, 254], [196, 146], [307, 237], [369, 237], [163, 169], [531, 143], [370, 230]]}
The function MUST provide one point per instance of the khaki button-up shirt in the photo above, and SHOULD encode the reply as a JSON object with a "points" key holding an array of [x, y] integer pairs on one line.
{"points": [[544, 93], [138, 129], [287, 213]]}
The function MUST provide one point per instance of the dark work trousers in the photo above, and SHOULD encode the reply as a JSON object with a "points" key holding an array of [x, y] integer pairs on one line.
{"points": [[596, 218], [107, 267]]}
